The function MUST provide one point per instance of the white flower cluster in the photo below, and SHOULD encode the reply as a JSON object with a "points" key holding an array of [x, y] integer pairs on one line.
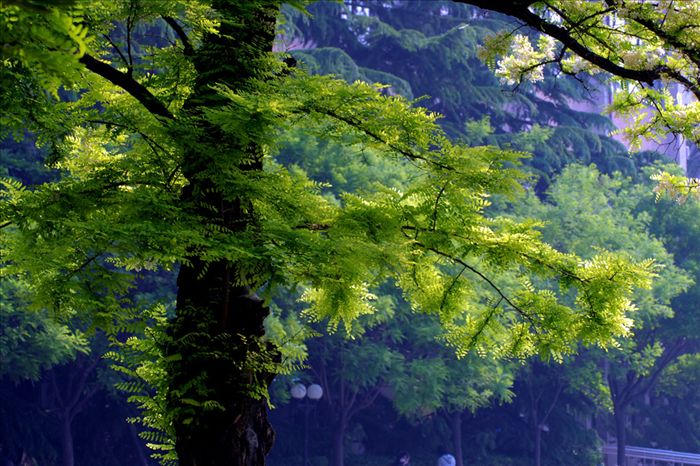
{"points": [[524, 62]]}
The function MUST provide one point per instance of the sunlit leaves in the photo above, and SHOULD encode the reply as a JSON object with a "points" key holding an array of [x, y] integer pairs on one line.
{"points": [[645, 46]]}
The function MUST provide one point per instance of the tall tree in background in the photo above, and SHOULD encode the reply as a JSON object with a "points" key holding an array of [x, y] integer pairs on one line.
{"points": [[432, 49], [610, 213]]}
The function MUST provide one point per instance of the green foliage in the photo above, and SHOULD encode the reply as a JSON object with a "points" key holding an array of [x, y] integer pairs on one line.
{"points": [[59, 39], [433, 379], [650, 54], [677, 224], [31, 342], [433, 48], [140, 361], [144, 190], [586, 211]]}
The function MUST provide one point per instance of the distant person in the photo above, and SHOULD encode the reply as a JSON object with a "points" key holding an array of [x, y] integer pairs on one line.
{"points": [[404, 459], [447, 460]]}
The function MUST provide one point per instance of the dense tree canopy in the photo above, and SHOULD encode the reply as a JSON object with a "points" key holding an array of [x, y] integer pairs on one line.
{"points": [[435, 54], [165, 121]]}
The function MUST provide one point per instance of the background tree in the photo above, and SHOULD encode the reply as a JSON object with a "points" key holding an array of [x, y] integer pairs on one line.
{"points": [[431, 49], [586, 211]]}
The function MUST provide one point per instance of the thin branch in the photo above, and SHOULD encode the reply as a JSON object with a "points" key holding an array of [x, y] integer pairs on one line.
{"points": [[313, 227], [56, 390], [437, 202], [679, 348], [449, 288], [152, 144], [129, 27], [117, 49], [560, 387], [486, 279], [189, 51], [366, 402], [484, 323], [671, 39], [88, 260], [402, 151], [80, 397]]}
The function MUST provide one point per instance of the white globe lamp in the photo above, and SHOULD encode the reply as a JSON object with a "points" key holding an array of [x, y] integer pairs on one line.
{"points": [[298, 391], [314, 392]]}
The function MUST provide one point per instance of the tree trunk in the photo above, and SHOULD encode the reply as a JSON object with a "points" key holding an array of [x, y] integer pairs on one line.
{"points": [[219, 366], [67, 453], [456, 424], [620, 414], [338, 457], [219, 363], [538, 445]]}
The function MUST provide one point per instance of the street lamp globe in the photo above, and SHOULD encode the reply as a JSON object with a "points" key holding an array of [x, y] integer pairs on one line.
{"points": [[314, 392], [298, 391]]}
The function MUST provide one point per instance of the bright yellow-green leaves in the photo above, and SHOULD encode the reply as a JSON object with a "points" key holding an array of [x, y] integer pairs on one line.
{"points": [[676, 186], [59, 39], [118, 207], [588, 212], [432, 238]]}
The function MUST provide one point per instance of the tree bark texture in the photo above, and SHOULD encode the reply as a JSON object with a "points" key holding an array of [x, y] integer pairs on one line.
{"points": [[538, 445], [218, 355], [67, 453]]}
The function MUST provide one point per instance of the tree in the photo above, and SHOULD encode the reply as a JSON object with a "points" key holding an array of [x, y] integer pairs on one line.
{"points": [[644, 46], [29, 345], [609, 213], [431, 49], [677, 403], [167, 162], [391, 353], [540, 391]]}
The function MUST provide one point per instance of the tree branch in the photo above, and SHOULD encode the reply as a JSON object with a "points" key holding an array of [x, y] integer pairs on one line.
{"points": [[404, 152], [117, 49], [129, 84], [486, 279], [519, 10], [560, 387], [186, 44]]}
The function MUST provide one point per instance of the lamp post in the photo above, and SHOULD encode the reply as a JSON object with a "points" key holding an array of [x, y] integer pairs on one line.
{"points": [[314, 392]]}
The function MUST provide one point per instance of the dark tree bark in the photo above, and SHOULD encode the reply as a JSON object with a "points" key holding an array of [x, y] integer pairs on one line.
{"points": [[342, 401], [66, 391], [219, 323], [540, 407], [620, 414], [67, 453], [216, 353], [338, 457], [538, 444]]}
